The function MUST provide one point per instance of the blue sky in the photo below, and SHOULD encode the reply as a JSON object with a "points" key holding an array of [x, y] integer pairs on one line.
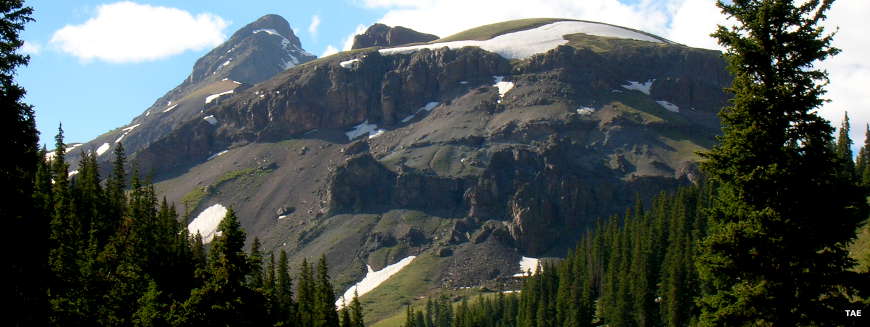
{"points": [[92, 85]]}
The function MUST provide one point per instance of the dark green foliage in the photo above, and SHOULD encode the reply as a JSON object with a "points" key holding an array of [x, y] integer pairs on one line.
{"points": [[24, 268], [120, 258], [784, 211], [862, 162], [635, 270]]}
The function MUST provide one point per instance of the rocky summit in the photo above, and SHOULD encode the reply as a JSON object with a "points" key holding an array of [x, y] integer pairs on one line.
{"points": [[380, 35], [458, 158]]}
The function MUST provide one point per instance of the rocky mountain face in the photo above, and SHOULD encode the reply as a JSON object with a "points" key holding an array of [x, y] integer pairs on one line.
{"points": [[380, 35], [460, 157], [254, 53]]}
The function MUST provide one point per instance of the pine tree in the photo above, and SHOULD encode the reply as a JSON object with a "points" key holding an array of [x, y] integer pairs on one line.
{"points": [[305, 298], [324, 310], [356, 312], [783, 213], [844, 148], [284, 291], [862, 163], [24, 269]]}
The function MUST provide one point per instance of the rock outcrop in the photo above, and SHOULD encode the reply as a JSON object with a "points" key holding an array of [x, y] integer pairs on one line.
{"points": [[380, 35]]}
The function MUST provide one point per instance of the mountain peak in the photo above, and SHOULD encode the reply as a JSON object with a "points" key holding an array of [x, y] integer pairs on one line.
{"points": [[275, 24]]}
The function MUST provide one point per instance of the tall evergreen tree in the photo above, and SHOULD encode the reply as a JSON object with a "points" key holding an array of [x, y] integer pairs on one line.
{"points": [[25, 268], [324, 310], [844, 147], [783, 214]]}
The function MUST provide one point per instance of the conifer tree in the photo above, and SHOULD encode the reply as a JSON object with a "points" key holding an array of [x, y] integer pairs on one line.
{"points": [[356, 312], [324, 310], [844, 148], [24, 269], [783, 213]]}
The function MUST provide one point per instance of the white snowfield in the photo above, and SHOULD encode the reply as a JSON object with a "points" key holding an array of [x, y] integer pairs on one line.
{"points": [[170, 108], [210, 119], [363, 129], [528, 267], [212, 97], [526, 43], [642, 87], [503, 87], [72, 173], [372, 280], [348, 63], [103, 148], [207, 221], [669, 106]]}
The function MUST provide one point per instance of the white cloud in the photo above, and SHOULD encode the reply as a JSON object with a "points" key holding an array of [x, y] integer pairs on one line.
{"points": [[315, 23], [348, 41], [849, 71], [130, 32], [330, 50], [31, 48], [692, 22]]}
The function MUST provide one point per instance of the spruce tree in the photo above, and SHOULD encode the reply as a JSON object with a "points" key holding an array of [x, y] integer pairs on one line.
{"points": [[783, 213], [25, 269], [844, 147], [324, 310], [356, 312]]}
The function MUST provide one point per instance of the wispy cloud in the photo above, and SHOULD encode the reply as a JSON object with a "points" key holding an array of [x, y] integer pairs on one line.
{"points": [[123, 32], [348, 41], [330, 50], [315, 23], [31, 48]]}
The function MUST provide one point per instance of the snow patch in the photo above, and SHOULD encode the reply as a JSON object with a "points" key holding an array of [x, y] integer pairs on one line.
{"points": [[217, 155], [73, 147], [212, 97], [283, 216], [72, 173], [363, 129], [642, 87], [377, 133], [528, 267], [268, 31], [349, 63], [669, 106], [429, 106], [207, 221], [128, 129], [524, 44], [503, 87], [463, 82], [407, 119], [210, 119], [170, 108], [585, 111], [373, 279], [103, 148]]}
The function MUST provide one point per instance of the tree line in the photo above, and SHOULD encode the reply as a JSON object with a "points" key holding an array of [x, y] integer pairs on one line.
{"points": [[118, 256]]}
